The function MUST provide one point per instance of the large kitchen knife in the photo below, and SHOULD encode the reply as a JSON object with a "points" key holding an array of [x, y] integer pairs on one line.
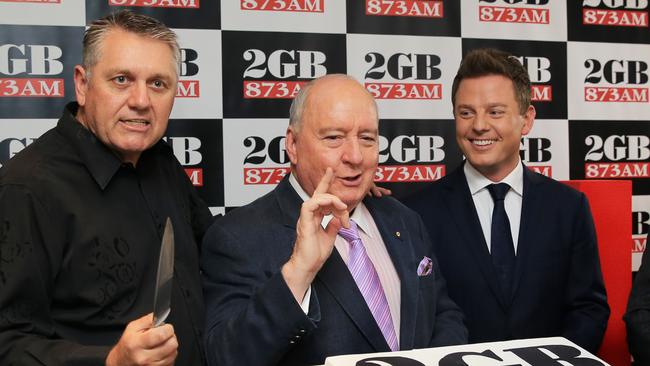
{"points": [[163, 295]]}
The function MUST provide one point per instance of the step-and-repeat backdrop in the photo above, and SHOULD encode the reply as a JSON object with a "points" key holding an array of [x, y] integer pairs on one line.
{"points": [[243, 61]]}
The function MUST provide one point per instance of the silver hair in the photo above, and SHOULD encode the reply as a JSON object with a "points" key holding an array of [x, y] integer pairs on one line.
{"points": [[131, 22]]}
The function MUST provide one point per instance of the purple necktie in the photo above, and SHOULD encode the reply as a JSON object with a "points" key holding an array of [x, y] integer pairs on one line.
{"points": [[367, 280]]}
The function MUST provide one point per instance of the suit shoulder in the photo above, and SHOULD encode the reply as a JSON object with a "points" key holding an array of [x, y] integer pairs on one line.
{"points": [[432, 194], [553, 187], [260, 208], [392, 205], [259, 214]]}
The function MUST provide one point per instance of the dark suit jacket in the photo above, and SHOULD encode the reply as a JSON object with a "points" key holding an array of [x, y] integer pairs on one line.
{"points": [[253, 319], [637, 316], [558, 286]]}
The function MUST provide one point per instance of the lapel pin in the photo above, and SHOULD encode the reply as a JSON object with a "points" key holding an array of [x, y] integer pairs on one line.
{"points": [[398, 234]]}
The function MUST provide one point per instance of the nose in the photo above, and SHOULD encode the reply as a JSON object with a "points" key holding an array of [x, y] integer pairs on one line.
{"points": [[352, 152], [480, 122], [139, 96]]}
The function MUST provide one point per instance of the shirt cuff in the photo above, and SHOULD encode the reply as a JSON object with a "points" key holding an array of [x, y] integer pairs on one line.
{"points": [[305, 301]]}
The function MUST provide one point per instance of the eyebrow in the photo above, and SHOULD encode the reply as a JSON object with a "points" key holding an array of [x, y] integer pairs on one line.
{"points": [[370, 130], [163, 77], [468, 106], [489, 105], [328, 129], [339, 129], [498, 105], [130, 73]]}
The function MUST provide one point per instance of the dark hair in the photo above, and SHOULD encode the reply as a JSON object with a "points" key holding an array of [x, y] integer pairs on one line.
{"points": [[127, 21], [489, 61]]}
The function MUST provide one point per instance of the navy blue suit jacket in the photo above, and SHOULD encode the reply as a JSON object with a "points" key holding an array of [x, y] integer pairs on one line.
{"points": [[558, 286], [637, 316], [253, 319]]}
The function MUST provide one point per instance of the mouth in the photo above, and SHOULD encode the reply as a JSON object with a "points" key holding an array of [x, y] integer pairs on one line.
{"points": [[135, 124], [483, 142], [352, 180]]}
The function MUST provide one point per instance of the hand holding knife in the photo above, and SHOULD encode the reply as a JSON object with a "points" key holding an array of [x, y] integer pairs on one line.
{"points": [[138, 332]]}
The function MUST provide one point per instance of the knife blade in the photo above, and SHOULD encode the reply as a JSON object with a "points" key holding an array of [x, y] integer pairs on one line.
{"points": [[163, 293]]}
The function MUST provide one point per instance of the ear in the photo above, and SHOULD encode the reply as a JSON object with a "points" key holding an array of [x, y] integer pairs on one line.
{"points": [[290, 145], [529, 119], [80, 84]]}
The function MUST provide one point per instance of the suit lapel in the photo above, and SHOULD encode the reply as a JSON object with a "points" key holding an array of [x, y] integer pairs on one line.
{"points": [[530, 223], [460, 204], [336, 277], [289, 202], [395, 237]]}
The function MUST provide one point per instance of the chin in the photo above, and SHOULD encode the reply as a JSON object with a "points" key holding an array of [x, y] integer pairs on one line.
{"points": [[480, 163], [353, 201]]}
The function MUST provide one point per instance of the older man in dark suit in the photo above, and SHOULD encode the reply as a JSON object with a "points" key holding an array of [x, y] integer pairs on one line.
{"points": [[316, 268]]}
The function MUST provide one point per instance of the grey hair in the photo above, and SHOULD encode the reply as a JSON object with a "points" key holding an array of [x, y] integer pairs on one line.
{"points": [[131, 22], [298, 104]]}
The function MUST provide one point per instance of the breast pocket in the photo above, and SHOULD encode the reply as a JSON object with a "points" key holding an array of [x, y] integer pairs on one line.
{"points": [[426, 281]]}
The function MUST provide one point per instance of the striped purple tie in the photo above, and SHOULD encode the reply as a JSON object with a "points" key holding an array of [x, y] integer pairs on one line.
{"points": [[367, 280]]}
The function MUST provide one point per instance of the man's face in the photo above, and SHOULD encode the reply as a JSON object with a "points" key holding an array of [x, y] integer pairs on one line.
{"points": [[128, 96], [489, 125], [339, 129]]}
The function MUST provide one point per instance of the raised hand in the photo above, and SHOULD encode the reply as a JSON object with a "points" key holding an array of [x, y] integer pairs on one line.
{"points": [[314, 244], [377, 191]]}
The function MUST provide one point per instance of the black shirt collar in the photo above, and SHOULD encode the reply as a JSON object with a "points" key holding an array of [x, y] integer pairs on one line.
{"points": [[101, 162]]}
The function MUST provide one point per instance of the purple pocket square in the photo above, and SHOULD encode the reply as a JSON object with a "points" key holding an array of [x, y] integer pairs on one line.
{"points": [[425, 266]]}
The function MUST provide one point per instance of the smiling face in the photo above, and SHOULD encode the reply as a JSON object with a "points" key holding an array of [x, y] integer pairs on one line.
{"points": [[125, 98], [338, 129], [489, 124]]}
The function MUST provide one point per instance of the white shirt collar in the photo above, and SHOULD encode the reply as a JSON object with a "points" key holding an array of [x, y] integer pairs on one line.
{"points": [[359, 215], [477, 181]]}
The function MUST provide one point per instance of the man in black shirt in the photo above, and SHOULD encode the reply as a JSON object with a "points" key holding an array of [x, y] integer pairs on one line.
{"points": [[82, 212]]}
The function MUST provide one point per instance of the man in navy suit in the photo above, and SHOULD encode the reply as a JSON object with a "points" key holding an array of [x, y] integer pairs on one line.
{"points": [[277, 282], [637, 316], [521, 266]]}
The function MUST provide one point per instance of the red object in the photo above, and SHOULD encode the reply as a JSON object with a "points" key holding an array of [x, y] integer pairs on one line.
{"points": [[611, 207]]}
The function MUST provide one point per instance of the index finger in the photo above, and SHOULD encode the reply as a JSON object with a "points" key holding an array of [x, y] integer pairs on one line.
{"points": [[324, 184]]}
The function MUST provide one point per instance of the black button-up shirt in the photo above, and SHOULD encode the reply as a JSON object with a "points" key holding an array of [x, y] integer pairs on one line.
{"points": [[80, 235]]}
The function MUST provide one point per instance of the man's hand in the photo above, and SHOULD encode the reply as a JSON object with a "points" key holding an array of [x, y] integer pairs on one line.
{"points": [[313, 243], [141, 344], [377, 191]]}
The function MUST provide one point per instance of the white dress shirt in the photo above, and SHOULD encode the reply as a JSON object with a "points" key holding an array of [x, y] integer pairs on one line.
{"points": [[376, 250], [483, 201]]}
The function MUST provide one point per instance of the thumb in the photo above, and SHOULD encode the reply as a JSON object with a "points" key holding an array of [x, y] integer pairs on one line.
{"points": [[142, 323]]}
